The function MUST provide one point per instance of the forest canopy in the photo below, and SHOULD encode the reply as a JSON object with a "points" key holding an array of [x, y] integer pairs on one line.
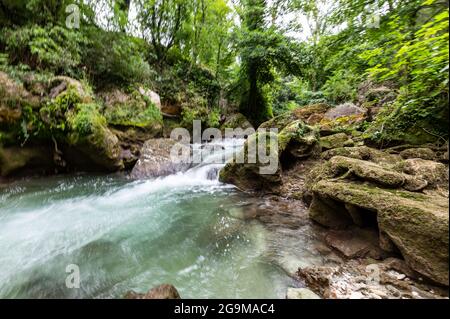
{"points": [[259, 57]]}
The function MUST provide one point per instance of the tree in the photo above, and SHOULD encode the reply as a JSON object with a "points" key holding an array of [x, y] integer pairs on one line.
{"points": [[262, 50], [161, 22]]}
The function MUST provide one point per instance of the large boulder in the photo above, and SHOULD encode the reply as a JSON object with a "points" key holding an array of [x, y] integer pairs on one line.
{"points": [[344, 110], [26, 159], [248, 174], [74, 119], [296, 141], [155, 160], [301, 113], [13, 97], [406, 200], [152, 96], [335, 141], [416, 223], [137, 109]]}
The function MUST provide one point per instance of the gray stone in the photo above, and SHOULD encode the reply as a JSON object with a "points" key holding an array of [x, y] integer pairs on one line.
{"points": [[301, 293]]}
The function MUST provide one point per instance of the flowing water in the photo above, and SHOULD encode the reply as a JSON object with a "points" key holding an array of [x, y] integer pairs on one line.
{"points": [[133, 235]]}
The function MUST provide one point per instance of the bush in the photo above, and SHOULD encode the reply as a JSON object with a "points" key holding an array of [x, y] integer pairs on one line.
{"points": [[114, 58], [341, 87], [85, 119], [197, 109], [53, 48]]}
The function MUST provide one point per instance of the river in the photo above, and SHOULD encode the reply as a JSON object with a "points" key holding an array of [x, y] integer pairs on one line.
{"points": [[126, 235]]}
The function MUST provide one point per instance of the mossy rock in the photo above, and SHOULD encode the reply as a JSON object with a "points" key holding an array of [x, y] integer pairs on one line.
{"points": [[434, 173], [296, 141], [299, 140], [363, 153], [80, 126], [301, 113], [398, 132], [419, 152], [13, 99], [367, 171], [89, 133], [335, 140], [246, 170], [133, 109], [30, 159], [416, 223]]}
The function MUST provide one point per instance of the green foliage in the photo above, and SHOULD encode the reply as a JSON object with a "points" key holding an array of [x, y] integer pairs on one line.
{"points": [[198, 110], [85, 119], [114, 58], [418, 61], [54, 113], [139, 111], [341, 87], [53, 48]]}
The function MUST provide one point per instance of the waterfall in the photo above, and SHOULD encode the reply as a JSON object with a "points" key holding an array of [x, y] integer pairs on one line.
{"points": [[211, 157]]}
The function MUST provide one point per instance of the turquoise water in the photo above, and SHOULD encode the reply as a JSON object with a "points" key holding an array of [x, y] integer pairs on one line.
{"points": [[132, 235]]}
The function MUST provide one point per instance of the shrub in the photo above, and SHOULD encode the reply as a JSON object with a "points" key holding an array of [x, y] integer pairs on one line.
{"points": [[114, 58], [53, 48], [341, 87]]}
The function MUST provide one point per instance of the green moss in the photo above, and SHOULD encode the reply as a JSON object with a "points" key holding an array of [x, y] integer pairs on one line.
{"points": [[138, 111], [85, 119], [298, 134]]}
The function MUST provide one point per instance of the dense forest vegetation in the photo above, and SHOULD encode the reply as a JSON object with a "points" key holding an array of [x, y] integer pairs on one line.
{"points": [[209, 58]]}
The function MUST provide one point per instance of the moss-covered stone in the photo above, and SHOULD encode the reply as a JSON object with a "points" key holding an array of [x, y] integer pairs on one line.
{"points": [[370, 181], [89, 133], [416, 223], [299, 139], [33, 159], [368, 171], [420, 152], [244, 170], [436, 174], [132, 110], [295, 141], [363, 153], [302, 113], [335, 140], [13, 99]]}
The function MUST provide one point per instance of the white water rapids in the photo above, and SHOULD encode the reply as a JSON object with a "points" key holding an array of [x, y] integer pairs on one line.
{"points": [[133, 235]]}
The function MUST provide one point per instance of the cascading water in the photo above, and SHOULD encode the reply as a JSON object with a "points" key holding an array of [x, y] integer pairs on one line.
{"points": [[133, 235]]}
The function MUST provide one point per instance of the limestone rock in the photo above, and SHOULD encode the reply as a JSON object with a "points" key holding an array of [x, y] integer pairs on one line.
{"points": [[15, 159], [152, 96], [436, 174], [343, 110], [301, 113], [164, 291], [155, 160], [295, 141], [301, 293], [416, 223], [247, 170], [420, 152], [334, 141]]}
